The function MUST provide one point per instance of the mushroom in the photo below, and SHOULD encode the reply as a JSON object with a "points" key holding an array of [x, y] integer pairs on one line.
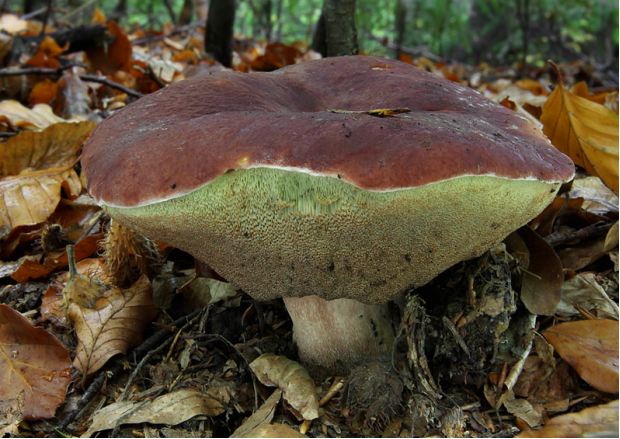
{"points": [[289, 185]]}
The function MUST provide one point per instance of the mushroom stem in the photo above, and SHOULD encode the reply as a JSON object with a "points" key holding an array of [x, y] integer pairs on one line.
{"points": [[332, 334]]}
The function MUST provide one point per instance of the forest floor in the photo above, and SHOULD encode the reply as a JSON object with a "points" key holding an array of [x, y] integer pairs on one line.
{"points": [[144, 341]]}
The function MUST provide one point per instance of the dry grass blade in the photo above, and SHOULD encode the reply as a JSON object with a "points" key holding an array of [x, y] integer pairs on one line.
{"points": [[584, 130]]}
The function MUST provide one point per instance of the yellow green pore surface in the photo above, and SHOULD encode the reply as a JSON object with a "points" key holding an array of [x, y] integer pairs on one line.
{"points": [[276, 232]]}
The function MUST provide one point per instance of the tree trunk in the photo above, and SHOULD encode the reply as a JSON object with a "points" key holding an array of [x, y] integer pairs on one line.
{"points": [[319, 38], [187, 12], [219, 32], [340, 27], [400, 14]]}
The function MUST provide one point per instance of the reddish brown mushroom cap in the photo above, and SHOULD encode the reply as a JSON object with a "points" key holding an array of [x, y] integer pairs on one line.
{"points": [[185, 136]]}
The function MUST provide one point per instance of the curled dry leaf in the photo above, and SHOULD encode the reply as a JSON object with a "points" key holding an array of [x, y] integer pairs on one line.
{"points": [[113, 326], [34, 166], [541, 289], [584, 130], [15, 115], [598, 421], [32, 361], [591, 348], [172, 408], [292, 379]]}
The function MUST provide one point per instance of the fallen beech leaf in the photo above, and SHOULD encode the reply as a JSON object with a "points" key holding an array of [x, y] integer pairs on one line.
{"points": [[172, 408], [581, 89], [47, 53], [292, 379], [584, 130], [29, 269], [34, 166], [113, 326], [32, 361], [597, 421], [591, 348], [115, 56], [39, 117], [43, 92], [541, 289]]}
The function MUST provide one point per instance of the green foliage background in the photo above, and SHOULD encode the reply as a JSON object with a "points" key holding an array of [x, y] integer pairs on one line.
{"points": [[469, 31]]}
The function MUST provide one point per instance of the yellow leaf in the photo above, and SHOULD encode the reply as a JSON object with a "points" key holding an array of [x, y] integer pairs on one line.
{"points": [[16, 115], [584, 130]]}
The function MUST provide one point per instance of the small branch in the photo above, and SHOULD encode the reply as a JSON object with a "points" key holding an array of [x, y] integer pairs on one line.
{"points": [[35, 71], [111, 84], [90, 78], [50, 6], [592, 231]]}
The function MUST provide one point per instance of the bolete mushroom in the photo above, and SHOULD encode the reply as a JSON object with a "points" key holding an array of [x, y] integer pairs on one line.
{"points": [[289, 185]]}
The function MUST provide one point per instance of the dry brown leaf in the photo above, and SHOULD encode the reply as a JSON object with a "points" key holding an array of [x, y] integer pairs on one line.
{"points": [[541, 289], [32, 362], [172, 408], [34, 166], [17, 116], [591, 348], [584, 291], [584, 130], [274, 431], [33, 269], [598, 421], [523, 409], [43, 92], [264, 415], [114, 325], [292, 379]]}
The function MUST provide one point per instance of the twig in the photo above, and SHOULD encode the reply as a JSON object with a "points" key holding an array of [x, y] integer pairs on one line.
{"points": [[90, 78], [150, 354], [111, 84], [592, 231], [50, 5], [35, 71], [148, 345]]}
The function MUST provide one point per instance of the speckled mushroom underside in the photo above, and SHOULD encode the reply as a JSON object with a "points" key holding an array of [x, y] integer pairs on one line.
{"points": [[252, 174]]}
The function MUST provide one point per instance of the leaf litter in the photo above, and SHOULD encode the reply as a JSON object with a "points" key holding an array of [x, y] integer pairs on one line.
{"points": [[474, 363]]}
